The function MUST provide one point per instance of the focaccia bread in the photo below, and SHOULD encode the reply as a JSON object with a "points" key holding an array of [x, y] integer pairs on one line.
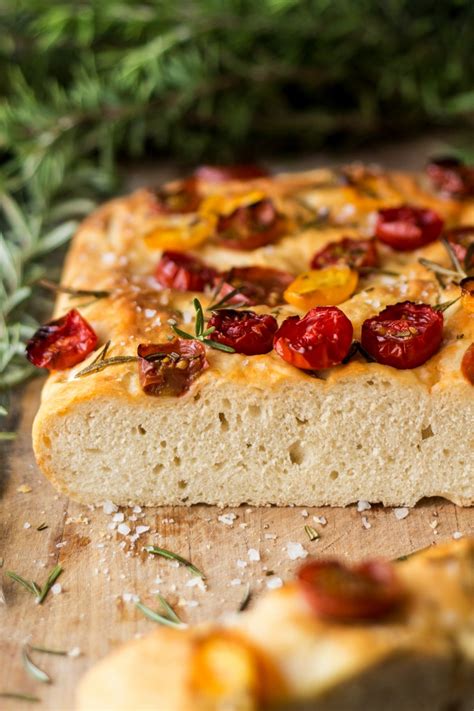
{"points": [[284, 425], [416, 653]]}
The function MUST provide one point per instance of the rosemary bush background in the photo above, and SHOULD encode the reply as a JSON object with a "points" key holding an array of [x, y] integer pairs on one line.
{"points": [[85, 84]]}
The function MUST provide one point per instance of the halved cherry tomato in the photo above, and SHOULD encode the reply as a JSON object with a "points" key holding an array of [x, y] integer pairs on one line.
{"points": [[467, 294], [183, 272], [403, 335], [406, 227], [224, 173], [336, 591], [244, 331], [451, 176], [180, 232], [62, 343], [467, 364], [354, 253], [319, 340], [258, 285], [250, 226], [322, 287], [462, 241], [170, 368], [180, 199]]}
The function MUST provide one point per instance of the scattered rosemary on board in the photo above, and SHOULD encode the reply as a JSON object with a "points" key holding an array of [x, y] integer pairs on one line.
{"points": [[168, 619], [17, 696], [32, 669], [174, 556], [312, 533], [245, 602], [40, 593]]}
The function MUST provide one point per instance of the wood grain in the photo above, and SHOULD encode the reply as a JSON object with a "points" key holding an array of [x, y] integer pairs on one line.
{"points": [[99, 570]]}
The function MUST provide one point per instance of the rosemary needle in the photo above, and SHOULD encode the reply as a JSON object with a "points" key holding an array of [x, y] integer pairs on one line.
{"points": [[16, 696], [32, 669], [161, 619], [174, 556]]}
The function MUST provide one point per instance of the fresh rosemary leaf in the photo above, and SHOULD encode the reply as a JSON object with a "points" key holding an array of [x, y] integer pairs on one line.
{"points": [[16, 696], [245, 602], [224, 302], [32, 669], [170, 613], [3, 411], [156, 617], [52, 577], [312, 533], [27, 584], [174, 556], [182, 334], [45, 650], [7, 436], [42, 527], [99, 365], [453, 257], [199, 317], [218, 346], [438, 268], [445, 305]]}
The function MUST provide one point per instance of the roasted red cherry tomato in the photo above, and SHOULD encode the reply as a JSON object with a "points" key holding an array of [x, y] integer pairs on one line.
{"points": [[461, 240], [406, 227], [170, 368], [354, 253], [224, 173], [178, 200], [336, 591], [244, 331], [250, 226], [467, 364], [319, 340], [181, 271], [257, 285], [403, 335], [451, 176], [62, 343]]}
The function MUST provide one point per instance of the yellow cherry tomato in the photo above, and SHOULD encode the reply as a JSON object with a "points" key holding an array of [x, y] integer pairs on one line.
{"points": [[180, 232], [322, 287], [227, 204], [467, 294]]}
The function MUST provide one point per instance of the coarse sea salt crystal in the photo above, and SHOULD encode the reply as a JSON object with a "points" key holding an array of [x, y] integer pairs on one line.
{"points": [[274, 583], [228, 518], [141, 529], [130, 597], [304, 513], [27, 524], [242, 564], [109, 507], [401, 513], [270, 536], [253, 554], [74, 652], [56, 589], [123, 529], [149, 313], [197, 582], [236, 581], [366, 523], [457, 535], [363, 506], [118, 517], [137, 509], [322, 520], [295, 551]]}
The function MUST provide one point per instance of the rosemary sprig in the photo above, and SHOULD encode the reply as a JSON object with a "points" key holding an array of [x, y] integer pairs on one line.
{"points": [[33, 670], [445, 305], [312, 533], [225, 301], [439, 269], [453, 257], [17, 696], [99, 365], [40, 593], [377, 270], [46, 650], [245, 602], [201, 333], [76, 293], [174, 556], [42, 527], [169, 619]]}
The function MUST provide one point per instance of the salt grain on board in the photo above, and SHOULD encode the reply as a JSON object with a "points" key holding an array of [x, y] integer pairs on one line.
{"points": [[253, 555], [401, 513], [295, 551]]}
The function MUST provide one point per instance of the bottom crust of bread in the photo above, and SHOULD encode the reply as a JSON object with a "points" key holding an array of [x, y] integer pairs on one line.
{"points": [[361, 436]]}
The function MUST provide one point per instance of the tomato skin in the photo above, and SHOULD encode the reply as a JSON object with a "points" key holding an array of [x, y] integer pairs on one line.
{"points": [[450, 176], [327, 286], [461, 240], [224, 173], [259, 285], [467, 364], [404, 335], [183, 272], [250, 227], [245, 331], [406, 228], [317, 341], [62, 343], [170, 368], [180, 200], [363, 592], [354, 253]]}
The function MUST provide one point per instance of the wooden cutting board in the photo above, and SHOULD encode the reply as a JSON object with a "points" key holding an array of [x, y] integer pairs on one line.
{"points": [[104, 571]]}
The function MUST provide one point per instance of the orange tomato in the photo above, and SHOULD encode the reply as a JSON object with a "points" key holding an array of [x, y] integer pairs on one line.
{"points": [[180, 232], [467, 294], [322, 287]]}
